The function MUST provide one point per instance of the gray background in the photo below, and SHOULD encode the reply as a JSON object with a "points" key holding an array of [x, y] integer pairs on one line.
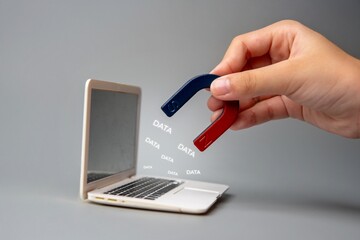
{"points": [[288, 180]]}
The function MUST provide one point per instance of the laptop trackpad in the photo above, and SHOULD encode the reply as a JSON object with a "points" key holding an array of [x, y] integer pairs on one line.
{"points": [[198, 200]]}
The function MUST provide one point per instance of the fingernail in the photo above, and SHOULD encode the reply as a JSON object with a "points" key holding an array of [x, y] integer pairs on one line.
{"points": [[220, 86]]}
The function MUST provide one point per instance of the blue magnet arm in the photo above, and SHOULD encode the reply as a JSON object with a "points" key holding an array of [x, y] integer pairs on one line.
{"points": [[187, 91]]}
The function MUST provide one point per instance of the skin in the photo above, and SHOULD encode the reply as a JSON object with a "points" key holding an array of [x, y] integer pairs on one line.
{"points": [[288, 70]]}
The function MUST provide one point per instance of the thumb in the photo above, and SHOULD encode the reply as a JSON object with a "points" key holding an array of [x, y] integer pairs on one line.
{"points": [[275, 79]]}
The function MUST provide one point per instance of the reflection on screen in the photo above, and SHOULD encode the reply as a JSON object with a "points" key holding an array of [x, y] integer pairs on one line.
{"points": [[113, 117]]}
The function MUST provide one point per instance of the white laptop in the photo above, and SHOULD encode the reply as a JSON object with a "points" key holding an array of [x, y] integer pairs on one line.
{"points": [[109, 157]]}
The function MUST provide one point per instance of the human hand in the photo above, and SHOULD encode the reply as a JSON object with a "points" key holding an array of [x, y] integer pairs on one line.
{"points": [[288, 70]]}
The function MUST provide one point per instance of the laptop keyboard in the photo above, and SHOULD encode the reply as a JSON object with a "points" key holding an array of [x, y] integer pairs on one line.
{"points": [[147, 188]]}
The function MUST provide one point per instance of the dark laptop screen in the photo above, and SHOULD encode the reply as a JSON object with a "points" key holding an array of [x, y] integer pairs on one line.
{"points": [[112, 142]]}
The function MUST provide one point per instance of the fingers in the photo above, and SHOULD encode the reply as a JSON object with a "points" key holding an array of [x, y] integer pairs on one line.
{"points": [[275, 41], [276, 79], [214, 104], [270, 109], [234, 60]]}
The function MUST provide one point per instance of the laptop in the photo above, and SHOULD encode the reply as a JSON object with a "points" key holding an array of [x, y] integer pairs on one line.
{"points": [[109, 157]]}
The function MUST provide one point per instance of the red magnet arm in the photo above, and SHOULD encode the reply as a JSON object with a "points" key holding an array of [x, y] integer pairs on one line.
{"points": [[219, 126]]}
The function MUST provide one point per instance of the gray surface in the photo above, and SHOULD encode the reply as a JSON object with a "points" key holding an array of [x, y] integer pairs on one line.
{"points": [[288, 180]]}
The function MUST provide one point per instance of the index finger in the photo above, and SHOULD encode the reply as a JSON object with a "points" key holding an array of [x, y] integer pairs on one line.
{"points": [[274, 40]]}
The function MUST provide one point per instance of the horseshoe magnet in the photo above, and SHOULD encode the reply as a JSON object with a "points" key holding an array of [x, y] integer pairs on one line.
{"points": [[219, 126]]}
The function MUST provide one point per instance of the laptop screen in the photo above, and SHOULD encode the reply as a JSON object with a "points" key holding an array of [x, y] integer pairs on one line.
{"points": [[112, 140]]}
